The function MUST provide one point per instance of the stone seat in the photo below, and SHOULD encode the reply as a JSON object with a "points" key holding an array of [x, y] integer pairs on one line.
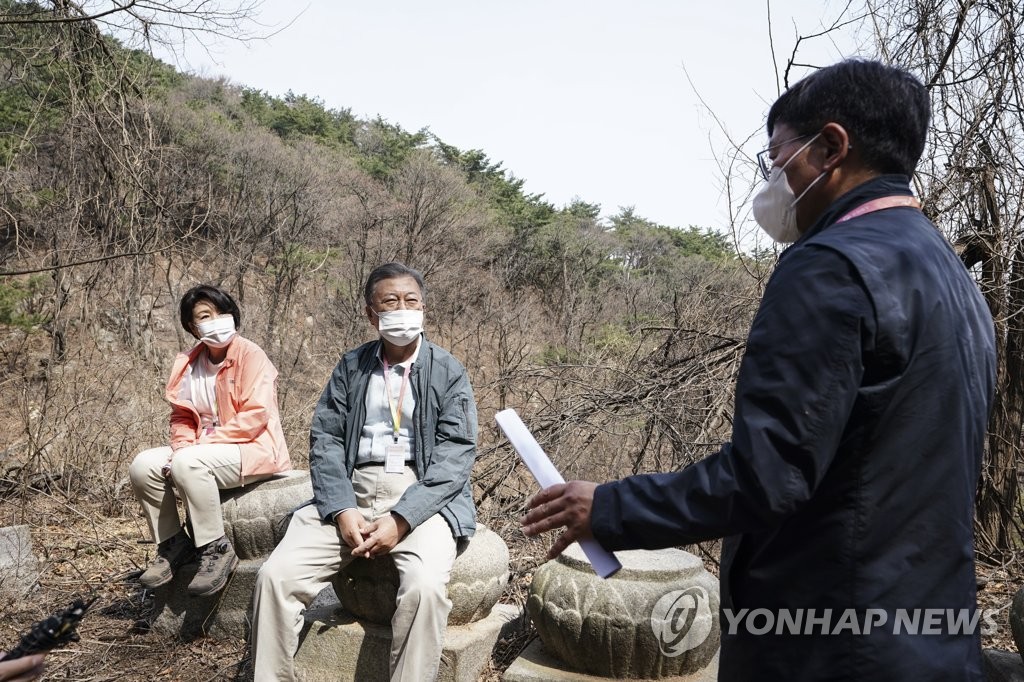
{"points": [[350, 639], [255, 519]]}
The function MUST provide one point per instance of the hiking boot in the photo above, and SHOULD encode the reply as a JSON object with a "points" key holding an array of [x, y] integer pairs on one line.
{"points": [[217, 561], [171, 554]]}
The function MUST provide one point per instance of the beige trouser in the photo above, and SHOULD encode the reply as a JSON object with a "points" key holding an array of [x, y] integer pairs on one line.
{"points": [[312, 552], [199, 472]]}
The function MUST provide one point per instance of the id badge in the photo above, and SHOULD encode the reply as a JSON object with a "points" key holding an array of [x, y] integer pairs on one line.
{"points": [[394, 458]]}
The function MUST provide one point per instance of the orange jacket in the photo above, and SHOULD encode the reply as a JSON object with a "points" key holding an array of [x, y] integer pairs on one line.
{"points": [[246, 388]]}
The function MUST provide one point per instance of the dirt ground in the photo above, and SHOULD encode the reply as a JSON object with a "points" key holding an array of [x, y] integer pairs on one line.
{"points": [[84, 552]]}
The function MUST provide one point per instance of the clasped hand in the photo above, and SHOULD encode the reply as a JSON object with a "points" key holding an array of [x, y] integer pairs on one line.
{"points": [[371, 539]]}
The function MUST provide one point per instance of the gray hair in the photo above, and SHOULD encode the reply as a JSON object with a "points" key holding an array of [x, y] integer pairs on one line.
{"points": [[391, 271]]}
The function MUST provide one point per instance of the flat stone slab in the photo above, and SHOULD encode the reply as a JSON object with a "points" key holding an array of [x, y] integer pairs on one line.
{"points": [[335, 647], [536, 665], [19, 567], [1003, 666]]}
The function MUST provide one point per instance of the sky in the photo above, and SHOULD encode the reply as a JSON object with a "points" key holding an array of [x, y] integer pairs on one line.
{"points": [[615, 103]]}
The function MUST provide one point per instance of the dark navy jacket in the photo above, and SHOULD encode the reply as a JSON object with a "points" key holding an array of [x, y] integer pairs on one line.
{"points": [[860, 413]]}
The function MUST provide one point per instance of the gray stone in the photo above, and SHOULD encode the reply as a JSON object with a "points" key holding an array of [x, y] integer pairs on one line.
{"points": [[367, 588], [536, 665], [256, 516], [336, 647], [1003, 666], [19, 568], [1017, 620], [225, 614], [656, 618], [352, 640], [255, 519]]}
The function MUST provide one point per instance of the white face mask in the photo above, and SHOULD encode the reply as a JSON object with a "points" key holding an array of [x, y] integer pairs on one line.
{"points": [[775, 205], [217, 332], [400, 327]]}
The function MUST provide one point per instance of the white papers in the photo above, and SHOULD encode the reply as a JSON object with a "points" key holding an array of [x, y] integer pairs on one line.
{"points": [[603, 561]]}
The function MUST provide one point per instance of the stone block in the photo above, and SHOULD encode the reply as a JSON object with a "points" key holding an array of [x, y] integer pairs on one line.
{"points": [[19, 568], [1016, 618], [537, 665], [225, 614], [336, 647], [1003, 666], [255, 519]]}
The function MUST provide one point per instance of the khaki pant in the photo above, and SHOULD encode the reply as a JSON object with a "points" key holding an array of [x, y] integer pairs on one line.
{"points": [[313, 551], [199, 472]]}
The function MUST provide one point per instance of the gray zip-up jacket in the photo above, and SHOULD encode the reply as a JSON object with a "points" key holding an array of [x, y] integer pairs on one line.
{"points": [[445, 436]]}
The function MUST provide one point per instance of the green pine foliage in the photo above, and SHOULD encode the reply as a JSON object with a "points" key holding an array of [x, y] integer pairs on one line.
{"points": [[19, 302]]}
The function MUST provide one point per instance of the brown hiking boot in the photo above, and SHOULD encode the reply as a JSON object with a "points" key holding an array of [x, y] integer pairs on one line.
{"points": [[171, 554], [217, 561]]}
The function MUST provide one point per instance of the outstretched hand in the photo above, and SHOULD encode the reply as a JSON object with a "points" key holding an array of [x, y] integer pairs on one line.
{"points": [[565, 504]]}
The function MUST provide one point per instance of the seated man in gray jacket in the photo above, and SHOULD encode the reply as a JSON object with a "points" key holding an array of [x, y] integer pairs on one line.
{"points": [[391, 447]]}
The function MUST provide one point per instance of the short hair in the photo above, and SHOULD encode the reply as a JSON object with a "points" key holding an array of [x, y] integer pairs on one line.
{"points": [[884, 110], [220, 299], [391, 271]]}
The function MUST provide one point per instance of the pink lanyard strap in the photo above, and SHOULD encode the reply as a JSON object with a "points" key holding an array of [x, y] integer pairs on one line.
{"points": [[879, 204], [396, 410]]}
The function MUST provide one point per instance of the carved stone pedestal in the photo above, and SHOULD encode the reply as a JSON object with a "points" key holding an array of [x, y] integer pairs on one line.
{"points": [[351, 640], [656, 619], [255, 519]]}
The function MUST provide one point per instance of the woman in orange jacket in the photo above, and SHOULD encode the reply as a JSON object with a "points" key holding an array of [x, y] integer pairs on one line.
{"points": [[225, 432]]}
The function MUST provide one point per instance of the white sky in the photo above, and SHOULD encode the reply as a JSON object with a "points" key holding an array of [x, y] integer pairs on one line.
{"points": [[584, 98]]}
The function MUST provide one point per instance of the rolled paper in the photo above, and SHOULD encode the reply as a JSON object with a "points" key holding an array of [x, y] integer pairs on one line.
{"points": [[539, 464]]}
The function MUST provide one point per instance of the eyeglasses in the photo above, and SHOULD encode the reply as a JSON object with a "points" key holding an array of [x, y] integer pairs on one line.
{"points": [[764, 162]]}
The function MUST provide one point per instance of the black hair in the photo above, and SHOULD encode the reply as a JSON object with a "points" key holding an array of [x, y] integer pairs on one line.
{"points": [[220, 299], [391, 271], [884, 110]]}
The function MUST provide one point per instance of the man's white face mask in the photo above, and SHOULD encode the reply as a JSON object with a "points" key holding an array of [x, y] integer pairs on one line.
{"points": [[400, 327], [217, 332], [775, 205]]}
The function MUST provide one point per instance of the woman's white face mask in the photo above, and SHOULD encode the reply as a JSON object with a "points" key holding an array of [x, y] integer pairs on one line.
{"points": [[775, 205], [400, 327], [217, 332]]}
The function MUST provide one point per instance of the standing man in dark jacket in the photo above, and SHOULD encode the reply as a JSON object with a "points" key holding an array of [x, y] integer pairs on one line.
{"points": [[860, 414], [391, 448]]}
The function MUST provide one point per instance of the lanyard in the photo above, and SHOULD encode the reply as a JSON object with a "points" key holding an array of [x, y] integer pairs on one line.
{"points": [[396, 410], [879, 204]]}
